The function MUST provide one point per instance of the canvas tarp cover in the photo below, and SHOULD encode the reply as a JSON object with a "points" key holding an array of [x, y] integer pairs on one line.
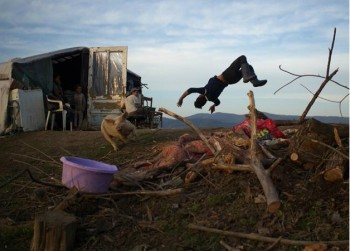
{"points": [[5, 75], [5, 70], [33, 72], [36, 71], [4, 94], [37, 74]]}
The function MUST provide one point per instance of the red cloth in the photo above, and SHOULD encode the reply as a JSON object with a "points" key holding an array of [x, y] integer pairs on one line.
{"points": [[265, 129]]}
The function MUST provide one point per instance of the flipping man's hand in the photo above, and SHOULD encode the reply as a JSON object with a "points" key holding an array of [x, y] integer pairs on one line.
{"points": [[212, 109], [179, 103]]}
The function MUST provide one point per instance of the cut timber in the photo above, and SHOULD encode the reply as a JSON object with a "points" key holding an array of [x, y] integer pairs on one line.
{"points": [[337, 163], [190, 177], [334, 168], [294, 156], [54, 231], [303, 149], [232, 167], [334, 174]]}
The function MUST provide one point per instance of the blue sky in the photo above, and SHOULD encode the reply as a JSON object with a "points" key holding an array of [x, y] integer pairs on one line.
{"points": [[177, 44]]}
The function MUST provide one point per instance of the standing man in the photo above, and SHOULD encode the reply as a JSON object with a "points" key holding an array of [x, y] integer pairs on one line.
{"points": [[235, 72]]}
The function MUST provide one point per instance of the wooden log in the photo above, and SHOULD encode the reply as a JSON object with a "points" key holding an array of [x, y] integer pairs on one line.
{"points": [[294, 156], [303, 149], [337, 138], [334, 168], [217, 163], [306, 165], [336, 165], [334, 174], [190, 177], [54, 231], [272, 199], [232, 167]]}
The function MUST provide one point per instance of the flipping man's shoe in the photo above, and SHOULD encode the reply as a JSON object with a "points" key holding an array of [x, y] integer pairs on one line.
{"points": [[257, 83], [247, 73]]}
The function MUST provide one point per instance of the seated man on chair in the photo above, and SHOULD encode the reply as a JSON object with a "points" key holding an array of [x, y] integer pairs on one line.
{"points": [[133, 104]]}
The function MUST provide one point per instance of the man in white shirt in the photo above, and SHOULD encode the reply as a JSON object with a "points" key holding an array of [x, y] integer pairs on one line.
{"points": [[133, 103]]}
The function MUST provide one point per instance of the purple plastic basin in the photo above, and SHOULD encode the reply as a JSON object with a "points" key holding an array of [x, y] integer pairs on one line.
{"points": [[87, 175]]}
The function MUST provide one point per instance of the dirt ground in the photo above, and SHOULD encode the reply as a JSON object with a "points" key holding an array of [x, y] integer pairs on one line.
{"points": [[311, 208]]}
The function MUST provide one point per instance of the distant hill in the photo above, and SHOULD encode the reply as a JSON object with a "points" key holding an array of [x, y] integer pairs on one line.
{"points": [[228, 120]]}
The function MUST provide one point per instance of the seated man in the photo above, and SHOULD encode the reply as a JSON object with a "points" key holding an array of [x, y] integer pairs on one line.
{"points": [[133, 104]]}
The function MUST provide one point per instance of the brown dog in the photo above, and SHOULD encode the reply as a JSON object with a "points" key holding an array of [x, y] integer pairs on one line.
{"points": [[118, 127]]}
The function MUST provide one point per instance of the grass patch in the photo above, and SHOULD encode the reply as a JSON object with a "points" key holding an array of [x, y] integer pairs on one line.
{"points": [[15, 237]]}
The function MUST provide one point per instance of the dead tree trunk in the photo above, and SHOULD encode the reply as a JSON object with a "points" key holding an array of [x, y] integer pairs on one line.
{"points": [[328, 77], [272, 200], [54, 231]]}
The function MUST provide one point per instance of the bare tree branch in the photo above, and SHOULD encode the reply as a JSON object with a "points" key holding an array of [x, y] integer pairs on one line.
{"points": [[333, 101], [326, 79], [330, 53], [305, 75], [257, 237]]}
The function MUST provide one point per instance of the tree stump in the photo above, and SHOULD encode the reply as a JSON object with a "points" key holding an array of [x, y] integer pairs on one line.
{"points": [[54, 231], [306, 152]]}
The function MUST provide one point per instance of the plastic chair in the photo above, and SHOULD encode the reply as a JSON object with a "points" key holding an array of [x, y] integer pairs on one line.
{"points": [[156, 116], [52, 113]]}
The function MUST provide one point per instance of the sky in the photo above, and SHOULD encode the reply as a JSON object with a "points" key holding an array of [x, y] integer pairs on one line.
{"points": [[177, 44]]}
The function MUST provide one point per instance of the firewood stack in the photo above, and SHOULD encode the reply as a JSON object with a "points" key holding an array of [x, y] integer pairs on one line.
{"points": [[317, 146]]}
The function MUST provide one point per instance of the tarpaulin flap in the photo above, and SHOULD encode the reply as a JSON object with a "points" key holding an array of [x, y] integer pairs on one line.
{"points": [[35, 74]]}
